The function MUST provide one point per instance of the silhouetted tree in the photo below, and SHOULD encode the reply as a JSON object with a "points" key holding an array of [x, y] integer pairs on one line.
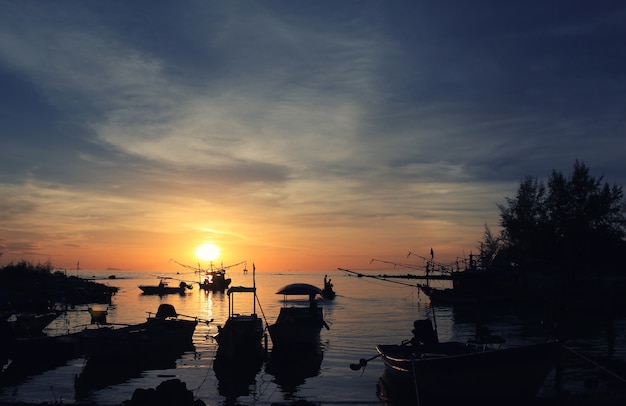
{"points": [[492, 255], [574, 224]]}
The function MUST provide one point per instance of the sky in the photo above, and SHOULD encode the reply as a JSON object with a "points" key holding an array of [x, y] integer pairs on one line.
{"points": [[295, 135]]}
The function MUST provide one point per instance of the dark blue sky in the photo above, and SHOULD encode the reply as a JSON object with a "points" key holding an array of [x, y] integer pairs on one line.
{"points": [[364, 128]]}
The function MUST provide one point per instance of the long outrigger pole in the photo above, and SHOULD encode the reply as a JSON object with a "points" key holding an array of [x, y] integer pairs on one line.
{"points": [[360, 275]]}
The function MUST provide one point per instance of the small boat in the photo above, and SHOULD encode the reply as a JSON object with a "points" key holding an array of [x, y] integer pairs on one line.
{"points": [[165, 330], [242, 334], [34, 355], [30, 324], [298, 327], [164, 288], [426, 371], [98, 314], [327, 291]]}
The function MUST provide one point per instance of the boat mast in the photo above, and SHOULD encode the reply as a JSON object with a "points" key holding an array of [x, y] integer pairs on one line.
{"points": [[254, 286]]}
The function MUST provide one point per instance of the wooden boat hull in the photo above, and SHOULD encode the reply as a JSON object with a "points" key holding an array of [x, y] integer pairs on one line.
{"points": [[162, 290], [328, 293], [454, 371], [31, 325], [34, 355], [297, 327], [241, 337], [151, 337], [215, 286], [455, 296]]}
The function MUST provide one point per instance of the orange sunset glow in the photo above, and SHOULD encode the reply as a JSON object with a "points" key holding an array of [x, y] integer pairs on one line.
{"points": [[296, 141]]}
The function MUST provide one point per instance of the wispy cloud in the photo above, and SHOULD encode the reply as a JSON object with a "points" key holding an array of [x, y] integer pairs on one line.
{"points": [[351, 126]]}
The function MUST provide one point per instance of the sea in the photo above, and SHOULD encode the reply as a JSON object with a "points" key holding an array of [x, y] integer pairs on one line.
{"points": [[366, 311]]}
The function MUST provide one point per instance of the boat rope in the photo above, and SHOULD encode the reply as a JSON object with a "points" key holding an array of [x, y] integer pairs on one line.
{"points": [[417, 393], [613, 374], [206, 376], [261, 308]]}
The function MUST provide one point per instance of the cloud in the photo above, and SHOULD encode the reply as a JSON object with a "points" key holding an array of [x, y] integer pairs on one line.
{"points": [[299, 118]]}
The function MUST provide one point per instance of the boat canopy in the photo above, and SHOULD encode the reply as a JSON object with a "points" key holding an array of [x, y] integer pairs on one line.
{"points": [[240, 289], [300, 289]]}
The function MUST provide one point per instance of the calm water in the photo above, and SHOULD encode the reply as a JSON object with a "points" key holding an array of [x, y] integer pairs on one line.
{"points": [[364, 313]]}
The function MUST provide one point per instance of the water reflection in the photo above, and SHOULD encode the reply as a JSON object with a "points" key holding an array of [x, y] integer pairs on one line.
{"points": [[101, 372], [236, 375], [291, 368], [34, 355]]}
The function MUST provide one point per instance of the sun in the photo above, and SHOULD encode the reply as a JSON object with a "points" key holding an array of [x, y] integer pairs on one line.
{"points": [[208, 252]]}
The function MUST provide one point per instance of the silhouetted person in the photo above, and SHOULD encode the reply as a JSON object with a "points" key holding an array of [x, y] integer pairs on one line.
{"points": [[423, 333]]}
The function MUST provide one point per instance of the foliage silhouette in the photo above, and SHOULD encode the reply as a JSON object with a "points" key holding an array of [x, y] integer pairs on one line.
{"points": [[569, 225]]}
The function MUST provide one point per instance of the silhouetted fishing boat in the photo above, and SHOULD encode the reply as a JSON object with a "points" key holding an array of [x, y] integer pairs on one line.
{"points": [[476, 284], [298, 326], [215, 280], [31, 324], [165, 330], [427, 371], [242, 334], [164, 288]]}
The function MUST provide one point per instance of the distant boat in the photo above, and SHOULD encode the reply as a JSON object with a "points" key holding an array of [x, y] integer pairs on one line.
{"points": [[162, 332], [327, 291], [215, 280], [426, 371], [298, 327], [163, 288]]}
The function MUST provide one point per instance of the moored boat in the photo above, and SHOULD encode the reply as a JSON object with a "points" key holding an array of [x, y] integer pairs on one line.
{"points": [[27, 356], [298, 326], [242, 334], [163, 331], [427, 371], [30, 324], [459, 296]]}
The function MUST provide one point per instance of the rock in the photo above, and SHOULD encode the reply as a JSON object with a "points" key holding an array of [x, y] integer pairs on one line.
{"points": [[172, 392]]}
